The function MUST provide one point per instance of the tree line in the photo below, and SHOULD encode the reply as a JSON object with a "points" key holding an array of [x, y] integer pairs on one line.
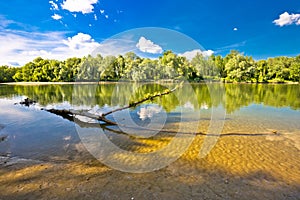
{"points": [[234, 67]]}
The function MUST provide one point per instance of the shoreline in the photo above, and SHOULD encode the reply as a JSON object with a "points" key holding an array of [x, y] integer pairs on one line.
{"points": [[114, 82]]}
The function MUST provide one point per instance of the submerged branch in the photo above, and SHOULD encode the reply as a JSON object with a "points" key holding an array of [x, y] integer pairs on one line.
{"points": [[66, 115], [71, 113], [148, 97]]}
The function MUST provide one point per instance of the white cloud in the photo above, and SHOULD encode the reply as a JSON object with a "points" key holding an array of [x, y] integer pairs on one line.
{"points": [[54, 6], [106, 16], [22, 47], [287, 19], [36, 53], [235, 29], [5, 23], [102, 11], [148, 46], [95, 17], [191, 54], [84, 6], [207, 53], [56, 17], [81, 41]]}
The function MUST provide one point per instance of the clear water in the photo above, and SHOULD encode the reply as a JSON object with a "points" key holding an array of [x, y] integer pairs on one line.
{"points": [[34, 133], [259, 142]]}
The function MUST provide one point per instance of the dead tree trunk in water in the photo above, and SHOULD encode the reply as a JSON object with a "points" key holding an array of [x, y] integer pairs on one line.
{"points": [[71, 113]]}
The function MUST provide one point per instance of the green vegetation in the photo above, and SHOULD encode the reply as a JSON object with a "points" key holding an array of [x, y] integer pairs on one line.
{"points": [[234, 67], [7, 73]]}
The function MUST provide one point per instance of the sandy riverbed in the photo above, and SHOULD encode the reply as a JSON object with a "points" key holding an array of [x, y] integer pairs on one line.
{"points": [[239, 167]]}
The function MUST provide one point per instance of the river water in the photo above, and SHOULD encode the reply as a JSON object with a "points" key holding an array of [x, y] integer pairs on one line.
{"points": [[204, 141]]}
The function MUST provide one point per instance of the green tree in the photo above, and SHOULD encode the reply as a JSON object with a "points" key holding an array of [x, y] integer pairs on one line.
{"points": [[295, 69], [7, 73], [239, 67]]}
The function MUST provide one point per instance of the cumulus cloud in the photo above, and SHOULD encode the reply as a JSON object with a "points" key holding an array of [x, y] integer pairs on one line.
{"points": [[287, 19], [191, 54], [102, 11], [83, 6], [235, 29], [80, 41], [54, 6], [56, 17], [148, 46]]}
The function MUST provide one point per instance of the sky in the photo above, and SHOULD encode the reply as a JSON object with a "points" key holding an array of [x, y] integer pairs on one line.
{"points": [[60, 29]]}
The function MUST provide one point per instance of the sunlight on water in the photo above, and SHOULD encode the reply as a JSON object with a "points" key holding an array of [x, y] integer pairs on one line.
{"points": [[258, 147]]}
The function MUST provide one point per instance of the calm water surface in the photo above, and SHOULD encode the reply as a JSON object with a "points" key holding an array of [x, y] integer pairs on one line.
{"points": [[259, 144], [250, 109]]}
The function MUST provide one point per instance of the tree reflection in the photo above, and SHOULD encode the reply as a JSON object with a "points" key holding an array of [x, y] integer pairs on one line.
{"points": [[118, 94]]}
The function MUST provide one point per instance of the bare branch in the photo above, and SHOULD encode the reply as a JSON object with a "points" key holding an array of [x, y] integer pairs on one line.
{"points": [[71, 113], [148, 97]]}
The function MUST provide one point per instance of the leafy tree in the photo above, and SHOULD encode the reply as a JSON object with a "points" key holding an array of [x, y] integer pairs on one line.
{"points": [[233, 67], [239, 67], [295, 70], [7, 73], [218, 62]]}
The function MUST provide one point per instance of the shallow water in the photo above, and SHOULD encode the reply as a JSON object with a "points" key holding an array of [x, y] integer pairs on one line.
{"points": [[255, 155]]}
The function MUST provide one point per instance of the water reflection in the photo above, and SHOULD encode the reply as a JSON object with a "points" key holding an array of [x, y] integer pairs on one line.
{"points": [[148, 112], [237, 95]]}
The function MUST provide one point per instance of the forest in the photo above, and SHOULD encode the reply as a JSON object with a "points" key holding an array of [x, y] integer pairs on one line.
{"points": [[234, 67]]}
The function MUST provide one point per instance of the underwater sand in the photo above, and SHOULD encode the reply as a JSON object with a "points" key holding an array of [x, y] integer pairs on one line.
{"points": [[238, 167]]}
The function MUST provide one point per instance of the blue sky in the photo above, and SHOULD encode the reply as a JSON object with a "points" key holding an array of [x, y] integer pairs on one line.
{"points": [[65, 28]]}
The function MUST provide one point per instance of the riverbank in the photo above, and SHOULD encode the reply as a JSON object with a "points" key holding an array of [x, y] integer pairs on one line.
{"points": [[163, 81], [48, 83]]}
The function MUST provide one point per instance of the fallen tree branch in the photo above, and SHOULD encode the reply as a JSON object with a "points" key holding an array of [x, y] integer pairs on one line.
{"points": [[71, 113], [105, 127], [27, 102], [148, 97]]}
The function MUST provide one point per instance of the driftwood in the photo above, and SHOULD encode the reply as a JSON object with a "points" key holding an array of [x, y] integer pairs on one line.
{"points": [[27, 102], [148, 97], [71, 113], [68, 116]]}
